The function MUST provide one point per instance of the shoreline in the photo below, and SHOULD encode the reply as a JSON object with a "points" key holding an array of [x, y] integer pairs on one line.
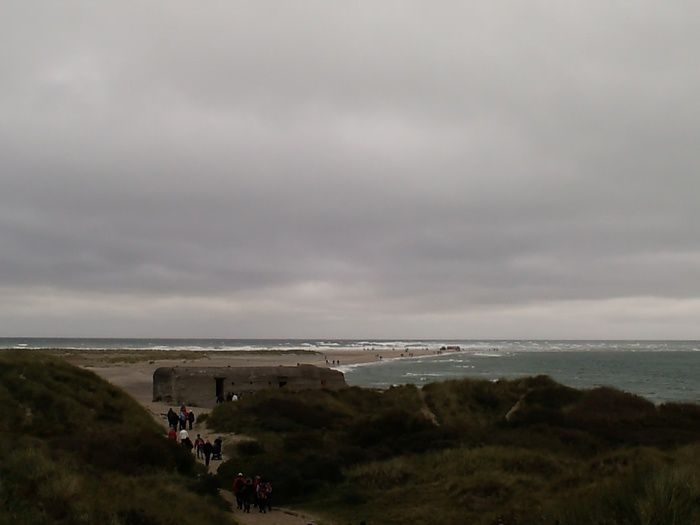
{"points": [[132, 370]]}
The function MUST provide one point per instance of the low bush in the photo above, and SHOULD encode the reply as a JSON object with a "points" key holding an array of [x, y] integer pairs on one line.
{"points": [[381, 457], [76, 450]]}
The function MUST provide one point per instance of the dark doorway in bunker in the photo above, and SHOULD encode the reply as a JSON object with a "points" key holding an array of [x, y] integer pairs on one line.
{"points": [[219, 387]]}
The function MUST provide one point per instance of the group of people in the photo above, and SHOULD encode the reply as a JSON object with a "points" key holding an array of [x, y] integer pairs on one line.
{"points": [[252, 492], [207, 451], [248, 491], [230, 396], [204, 449], [182, 419]]}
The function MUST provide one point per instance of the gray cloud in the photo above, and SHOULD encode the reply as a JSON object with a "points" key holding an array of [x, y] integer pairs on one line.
{"points": [[391, 169]]}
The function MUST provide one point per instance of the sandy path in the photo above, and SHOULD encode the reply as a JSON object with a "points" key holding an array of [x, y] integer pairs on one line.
{"points": [[278, 516], [136, 379]]}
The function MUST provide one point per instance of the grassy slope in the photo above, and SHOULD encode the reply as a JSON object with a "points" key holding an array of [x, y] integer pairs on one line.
{"points": [[579, 457], [74, 449]]}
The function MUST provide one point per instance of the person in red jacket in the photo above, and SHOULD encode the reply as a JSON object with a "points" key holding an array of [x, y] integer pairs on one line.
{"points": [[238, 483], [261, 493], [172, 434], [256, 482], [198, 444]]}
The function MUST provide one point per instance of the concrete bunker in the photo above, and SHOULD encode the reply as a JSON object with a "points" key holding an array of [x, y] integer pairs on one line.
{"points": [[202, 386]]}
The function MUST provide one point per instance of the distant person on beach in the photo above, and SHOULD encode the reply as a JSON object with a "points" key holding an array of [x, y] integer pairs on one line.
{"points": [[172, 434], [207, 449], [183, 435], [238, 483], [190, 418], [187, 443]]}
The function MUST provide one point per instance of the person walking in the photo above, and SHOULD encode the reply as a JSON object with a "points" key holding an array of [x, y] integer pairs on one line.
{"points": [[218, 443], [256, 483], [238, 483], [261, 492], [190, 418], [198, 446], [183, 417], [172, 418], [248, 495], [207, 448], [268, 491]]}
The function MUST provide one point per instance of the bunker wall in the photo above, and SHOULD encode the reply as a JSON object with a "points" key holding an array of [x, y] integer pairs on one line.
{"points": [[198, 386]]}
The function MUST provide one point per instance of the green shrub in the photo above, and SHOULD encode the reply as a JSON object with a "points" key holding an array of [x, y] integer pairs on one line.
{"points": [[662, 496], [249, 448], [76, 450], [348, 453]]}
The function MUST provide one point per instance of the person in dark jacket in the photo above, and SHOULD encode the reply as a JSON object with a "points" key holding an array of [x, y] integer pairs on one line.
{"points": [[207, 448], [248, 493], [190, 418], [183, 417], [172, 418], [216, 454]]}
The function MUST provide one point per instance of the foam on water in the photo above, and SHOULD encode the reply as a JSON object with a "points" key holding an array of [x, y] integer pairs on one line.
{"points": [[665, 374]]}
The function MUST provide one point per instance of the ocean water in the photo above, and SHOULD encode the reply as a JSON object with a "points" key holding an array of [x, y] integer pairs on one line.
{"points": [[658, 370], [660, 376]]}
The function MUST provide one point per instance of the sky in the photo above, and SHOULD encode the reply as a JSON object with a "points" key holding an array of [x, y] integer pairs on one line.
{"points": [[376, 169]]}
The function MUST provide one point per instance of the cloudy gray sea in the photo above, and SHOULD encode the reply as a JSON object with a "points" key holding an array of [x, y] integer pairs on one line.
{"points": [[658, 370]]}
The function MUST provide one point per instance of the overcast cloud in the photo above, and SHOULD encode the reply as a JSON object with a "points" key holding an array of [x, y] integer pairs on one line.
{"points": [[350, 169]]}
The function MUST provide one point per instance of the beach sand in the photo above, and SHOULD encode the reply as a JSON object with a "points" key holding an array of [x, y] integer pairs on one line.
{"points": [[133, 370]]}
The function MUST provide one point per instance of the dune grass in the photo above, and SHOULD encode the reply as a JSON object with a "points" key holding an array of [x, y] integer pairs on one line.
{"points": [[74, 449], [563, 456]]}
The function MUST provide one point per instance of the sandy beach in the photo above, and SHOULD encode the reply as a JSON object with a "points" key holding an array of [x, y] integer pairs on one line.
{"points": [[133, 370]]}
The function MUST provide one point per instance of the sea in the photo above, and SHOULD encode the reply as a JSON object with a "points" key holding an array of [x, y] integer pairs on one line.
{"points": [[662, 371]]}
